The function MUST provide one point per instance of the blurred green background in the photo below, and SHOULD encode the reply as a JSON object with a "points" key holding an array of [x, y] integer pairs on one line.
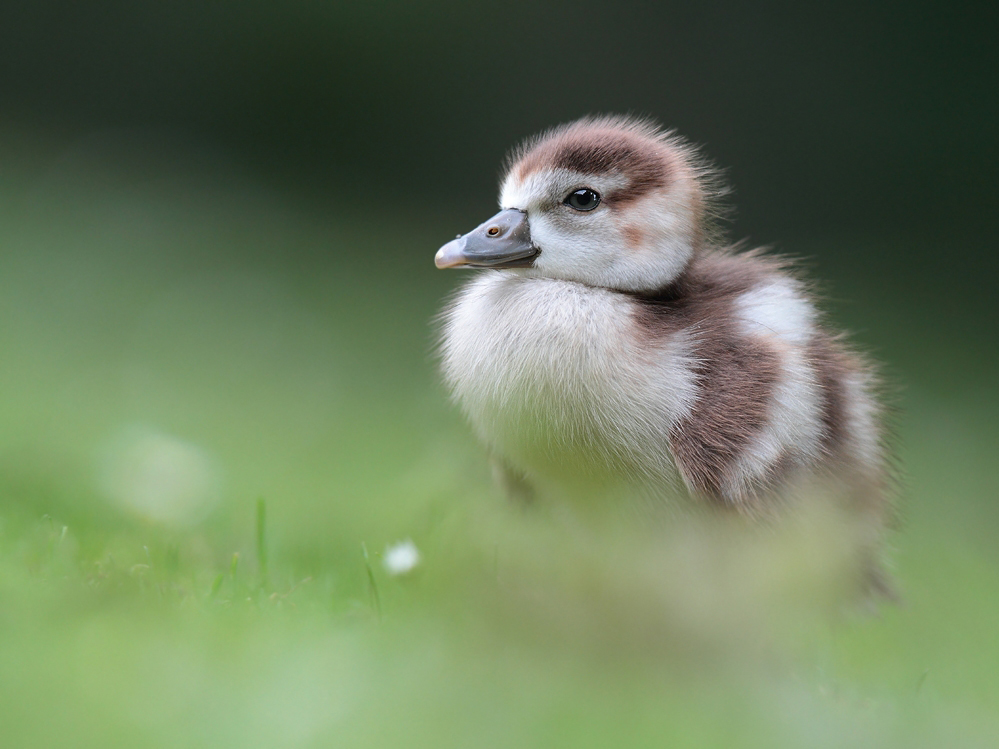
{"points": [[217, 224]]}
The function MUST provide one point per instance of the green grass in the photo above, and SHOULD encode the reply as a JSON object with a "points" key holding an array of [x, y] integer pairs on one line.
{"points": [[276, 361]]}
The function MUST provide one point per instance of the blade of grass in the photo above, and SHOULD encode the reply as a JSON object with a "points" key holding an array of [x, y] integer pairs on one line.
{"points": [[262, 582], [376, 603], [233, 569], [217, 585]]}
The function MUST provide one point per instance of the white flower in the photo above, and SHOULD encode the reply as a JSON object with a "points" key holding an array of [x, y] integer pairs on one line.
{"points": [[401, 558]]}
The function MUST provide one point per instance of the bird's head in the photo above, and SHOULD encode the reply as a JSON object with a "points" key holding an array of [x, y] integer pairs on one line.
{"points": [[610, 201]]}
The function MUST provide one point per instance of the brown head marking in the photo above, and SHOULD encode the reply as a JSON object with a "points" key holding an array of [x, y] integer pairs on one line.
{"points": [[635, 149], [633, 235]]}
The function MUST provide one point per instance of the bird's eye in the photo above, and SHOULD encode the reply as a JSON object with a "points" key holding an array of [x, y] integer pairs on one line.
{"points": [[584, 199]]}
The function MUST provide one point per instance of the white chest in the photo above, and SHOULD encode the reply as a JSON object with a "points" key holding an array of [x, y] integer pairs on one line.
{"points": [[558, 381]]}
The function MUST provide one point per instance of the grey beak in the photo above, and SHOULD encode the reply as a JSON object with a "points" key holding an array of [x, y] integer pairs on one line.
{"points": [[504, 241]]}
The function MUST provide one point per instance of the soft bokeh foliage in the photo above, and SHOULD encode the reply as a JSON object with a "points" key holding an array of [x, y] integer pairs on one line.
{"points": [[217, 227]]}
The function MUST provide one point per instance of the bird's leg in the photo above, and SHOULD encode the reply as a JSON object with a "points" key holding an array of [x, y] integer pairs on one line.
{"points": [[514, 485]]}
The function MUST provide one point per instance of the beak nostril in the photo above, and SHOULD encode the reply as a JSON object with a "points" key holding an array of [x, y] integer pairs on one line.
{"points": [[503, 241]]}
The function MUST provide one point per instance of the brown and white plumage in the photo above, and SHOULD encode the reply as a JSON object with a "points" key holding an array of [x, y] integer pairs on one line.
{"points": [[626, 350]]}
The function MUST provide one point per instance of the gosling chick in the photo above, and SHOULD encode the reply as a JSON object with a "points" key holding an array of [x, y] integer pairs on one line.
{"points": [[614, 345]]}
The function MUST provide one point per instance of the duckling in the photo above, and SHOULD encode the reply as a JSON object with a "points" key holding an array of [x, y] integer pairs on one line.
{"points": [[614, 345]]}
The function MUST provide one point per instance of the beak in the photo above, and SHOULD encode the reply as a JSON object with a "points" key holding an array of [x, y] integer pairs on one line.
{"points": [[504, 241]]}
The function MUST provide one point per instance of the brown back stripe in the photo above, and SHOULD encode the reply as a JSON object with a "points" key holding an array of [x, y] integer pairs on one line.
{"points": [[832, 365], [736, 378], [704, 292], [736, 374]]}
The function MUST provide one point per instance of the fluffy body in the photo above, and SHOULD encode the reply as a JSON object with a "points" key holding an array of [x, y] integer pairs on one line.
{"points": [[727, 389], [639, 355]]}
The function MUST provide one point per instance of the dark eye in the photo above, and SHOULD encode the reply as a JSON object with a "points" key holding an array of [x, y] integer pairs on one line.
{"points": [[582, 200]]}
